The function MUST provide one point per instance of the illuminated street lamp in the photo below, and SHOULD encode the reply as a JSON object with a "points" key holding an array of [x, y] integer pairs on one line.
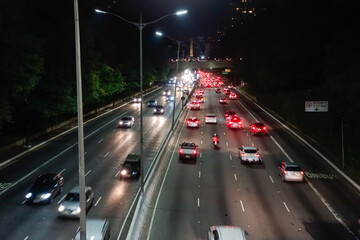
{"points": [[177, 73], [140, 25]]}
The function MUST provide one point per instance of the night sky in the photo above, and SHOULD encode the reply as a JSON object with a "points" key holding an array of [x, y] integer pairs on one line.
{"points": [[201, 20]]}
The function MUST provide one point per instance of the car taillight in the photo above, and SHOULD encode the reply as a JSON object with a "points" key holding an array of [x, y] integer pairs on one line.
{"points": [[302, 173], [194, 152], [257, 155], [285, 172], [197, 122], [253, 128], [187, 122], [240, 122], [230, 123], [181, 151], [243, 154], [264, 128]]}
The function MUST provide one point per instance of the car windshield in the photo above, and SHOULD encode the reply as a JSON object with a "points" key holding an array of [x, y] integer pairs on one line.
{"points": [[295, 169], [188, 145], [44, 182], [72, 197], [126, 119], [250, 150]]}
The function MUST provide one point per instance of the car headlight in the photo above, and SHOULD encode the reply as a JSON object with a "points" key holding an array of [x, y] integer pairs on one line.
{"points": [[28, 195], [162, 110], [78, 209], [154, 110], [123, 172], [46, 195], [120, 122], [61, 208]]}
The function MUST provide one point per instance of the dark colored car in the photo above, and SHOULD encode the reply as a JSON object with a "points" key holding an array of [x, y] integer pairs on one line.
{"points": [[258, 128], [131, 167], [45, 188], [229, 114], [159, 109]]}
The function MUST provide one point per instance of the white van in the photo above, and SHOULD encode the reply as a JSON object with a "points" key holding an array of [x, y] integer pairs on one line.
{"points": [[226, 233], [96, 229]]}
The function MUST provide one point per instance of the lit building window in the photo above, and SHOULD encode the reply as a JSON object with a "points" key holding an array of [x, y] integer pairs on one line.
{"points": [[237, 9]]}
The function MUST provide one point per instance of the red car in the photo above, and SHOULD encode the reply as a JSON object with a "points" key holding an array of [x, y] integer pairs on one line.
{"points": [[222, 101], [235, 122], [192, 122], [229, 114], [195, 105], [258, 128]]}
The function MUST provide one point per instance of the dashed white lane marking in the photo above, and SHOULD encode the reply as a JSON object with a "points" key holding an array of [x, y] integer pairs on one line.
{"points": [[61, 199], [242, 206], [62, 171], [117, 174], [106, 154], [114, 130], [235, 177], [230, 157], [224, 133], [271, 179], [286, 207], [200, 155], [100, 140], [198, 202], [201, 141], [87, 173], [85, 153], [227, 144], [26, 238], [247, 134], [97, 201], [199, 174], [202, 132]]}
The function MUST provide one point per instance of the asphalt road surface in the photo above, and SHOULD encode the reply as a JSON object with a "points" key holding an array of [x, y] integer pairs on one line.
{"points": [[106, 147], [218, 190]]}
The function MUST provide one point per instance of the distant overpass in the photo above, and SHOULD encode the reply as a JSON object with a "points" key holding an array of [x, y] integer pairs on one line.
{"points": [[201, 64]]}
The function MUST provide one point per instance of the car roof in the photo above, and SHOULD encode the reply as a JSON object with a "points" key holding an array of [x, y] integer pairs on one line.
{"points": [[94, 229], [210, 115], [127, 117], [228, 232], [290, 164], [192, 118], [257, 124], [249, 147]]}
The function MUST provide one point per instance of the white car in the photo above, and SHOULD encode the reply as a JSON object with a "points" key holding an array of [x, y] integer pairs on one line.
{"points": [[249, 154], [291, 172], [192, 122], [70, 206], [170, 98], [226, 232], [126, 121], [210, 118], [137, 99]]}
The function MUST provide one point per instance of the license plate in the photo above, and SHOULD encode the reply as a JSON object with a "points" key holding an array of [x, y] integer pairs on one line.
{"points": [[187, 156]]}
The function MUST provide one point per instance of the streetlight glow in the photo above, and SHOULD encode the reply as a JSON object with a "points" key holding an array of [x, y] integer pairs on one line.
{"points": [[159, 33], [181, 12], [99, 11]]}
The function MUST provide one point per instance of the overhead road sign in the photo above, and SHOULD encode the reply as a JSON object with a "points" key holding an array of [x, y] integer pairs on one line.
{"points": [[316, 106]]}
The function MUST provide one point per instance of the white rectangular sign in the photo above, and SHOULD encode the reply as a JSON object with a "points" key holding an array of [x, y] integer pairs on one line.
{"points": [[316, 106]]}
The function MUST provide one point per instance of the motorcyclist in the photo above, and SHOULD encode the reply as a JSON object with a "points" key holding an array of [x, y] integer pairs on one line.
{"points": [[215, 139]]}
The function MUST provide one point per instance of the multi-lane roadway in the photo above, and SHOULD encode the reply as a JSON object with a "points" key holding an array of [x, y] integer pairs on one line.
{"points": [[219, 190], [106, 147]]}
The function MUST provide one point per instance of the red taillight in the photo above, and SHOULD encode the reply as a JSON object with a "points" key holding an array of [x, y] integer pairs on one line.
{"points": [[302, 173], [194, 152], [230, 123], [285, 172], [243, 154], [253, 128], [187, 122], [240, 122], [264, 128], [257, 155], [197, 122], [181, 151]]}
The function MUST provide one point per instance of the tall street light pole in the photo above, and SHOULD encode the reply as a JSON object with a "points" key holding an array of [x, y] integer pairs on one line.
{"points": [[177, 75], [141, 26], [80, 124]]}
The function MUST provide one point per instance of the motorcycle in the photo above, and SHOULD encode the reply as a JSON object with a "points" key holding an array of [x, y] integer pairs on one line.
{"points": [[215, 142]]}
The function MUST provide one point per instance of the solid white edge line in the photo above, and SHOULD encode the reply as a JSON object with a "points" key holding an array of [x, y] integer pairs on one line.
{"points": [[161, 187], [100, 140], [106, 154], [283, 151], [61, 199], [87, 172]]}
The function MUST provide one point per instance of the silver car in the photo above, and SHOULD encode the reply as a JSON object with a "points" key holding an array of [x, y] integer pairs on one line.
{"points": [[291, 172], [126, 121], [249, 154], [70, 206]]}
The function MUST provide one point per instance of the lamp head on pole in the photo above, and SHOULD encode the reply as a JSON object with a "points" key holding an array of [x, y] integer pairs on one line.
{"points": [[99, 11], [182, 12], [158, 33]]}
